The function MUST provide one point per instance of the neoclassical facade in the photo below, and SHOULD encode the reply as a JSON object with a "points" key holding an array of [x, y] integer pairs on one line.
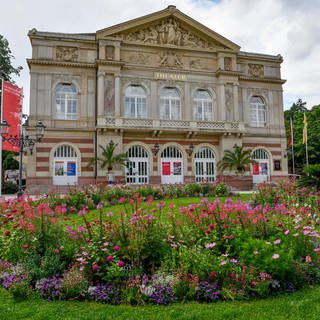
{"points": [[170, 92]]}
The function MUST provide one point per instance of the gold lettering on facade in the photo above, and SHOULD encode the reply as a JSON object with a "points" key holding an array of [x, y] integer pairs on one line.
{"points": [[170, 76]]}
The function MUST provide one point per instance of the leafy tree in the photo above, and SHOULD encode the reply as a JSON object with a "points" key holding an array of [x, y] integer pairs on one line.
{"points": [[6, 68], [8, 160], [313, 116], [108, 157], [236, 160]]}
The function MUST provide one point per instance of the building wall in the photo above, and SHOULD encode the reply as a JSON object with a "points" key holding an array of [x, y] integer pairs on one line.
{"points": [[188, 57]]}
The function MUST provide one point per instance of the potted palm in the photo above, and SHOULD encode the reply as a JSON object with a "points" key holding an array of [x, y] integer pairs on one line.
{"points": [[108, 159], [237, 161]]}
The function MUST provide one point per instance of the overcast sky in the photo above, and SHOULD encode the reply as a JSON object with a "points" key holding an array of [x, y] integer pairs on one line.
{"points": [[287, 27]]}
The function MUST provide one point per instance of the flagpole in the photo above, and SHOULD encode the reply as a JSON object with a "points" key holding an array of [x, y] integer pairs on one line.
{"points": [[291, 142], [305, 136]]}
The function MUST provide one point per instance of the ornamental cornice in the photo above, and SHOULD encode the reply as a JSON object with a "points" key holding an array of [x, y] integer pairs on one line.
{"points": [[60, 63], [220, 72], [110, 63], [265, 79]]}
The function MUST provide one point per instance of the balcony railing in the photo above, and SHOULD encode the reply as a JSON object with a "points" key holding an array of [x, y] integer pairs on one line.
{"points": [[157, 124]]}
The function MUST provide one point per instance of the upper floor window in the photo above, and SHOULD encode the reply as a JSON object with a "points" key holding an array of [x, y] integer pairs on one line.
{"points": [[135, 102], [170, 104], [258, 117], [202, 106], [66, 101]]}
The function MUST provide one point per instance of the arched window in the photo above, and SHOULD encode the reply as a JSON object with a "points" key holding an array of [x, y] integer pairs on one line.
{"points": [[204, 161], [135, 102], [137, 165], [170, 104], [65, 164], [202, 106], [258, 117], [66, 101], [260, 169]]}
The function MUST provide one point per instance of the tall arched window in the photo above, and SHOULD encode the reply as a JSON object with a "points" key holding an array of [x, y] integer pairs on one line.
{"points": [[66, 101], [202, 105], [170, 104], [135, 102], [258, 116]]}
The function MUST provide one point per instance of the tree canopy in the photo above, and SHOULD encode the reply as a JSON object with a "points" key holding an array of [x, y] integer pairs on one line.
{"points": [[6, 67], [313, 135]]}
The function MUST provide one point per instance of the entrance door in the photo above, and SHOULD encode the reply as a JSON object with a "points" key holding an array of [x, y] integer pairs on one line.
{"points": [[171, 166], [137, 166], [204, 165], [261, 170], [65, 166]]}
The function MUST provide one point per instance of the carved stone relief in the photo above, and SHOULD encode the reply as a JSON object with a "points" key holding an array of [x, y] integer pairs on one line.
{"points": [[256, 70], [67, 53], [168, 32], [257, 92], [109, 95], [170, 59], [109, 52], [139, 58], [227, 64], [198, 64]]}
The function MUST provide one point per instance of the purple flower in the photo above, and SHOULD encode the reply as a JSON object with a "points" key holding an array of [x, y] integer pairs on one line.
{"points": [[276, 256]]}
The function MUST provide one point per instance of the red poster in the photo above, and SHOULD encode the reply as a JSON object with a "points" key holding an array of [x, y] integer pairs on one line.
{"points": [[255, 169], [11, 111], [166, 168]]}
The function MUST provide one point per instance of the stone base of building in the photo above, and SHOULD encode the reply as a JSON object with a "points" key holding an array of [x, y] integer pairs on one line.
{"points": [[237, 182]]}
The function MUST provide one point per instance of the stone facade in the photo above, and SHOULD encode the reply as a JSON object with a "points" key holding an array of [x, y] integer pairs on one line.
{"points": [[163, 80]]}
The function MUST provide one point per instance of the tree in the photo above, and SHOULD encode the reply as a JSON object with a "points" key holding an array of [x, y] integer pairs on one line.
{"points": [[108, 158], [311, 177], [236, 160], [296, 112], [6, 68]]}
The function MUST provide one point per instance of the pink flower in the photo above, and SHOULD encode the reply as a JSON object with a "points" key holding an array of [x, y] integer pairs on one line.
{"points": [[275, 256], [308, 259], [95, 267], [116, 248], [109, 258], [211, 226], [100, 205], [286, 231], [212, 275], [120, 263], [223, 262], [277, 241]]}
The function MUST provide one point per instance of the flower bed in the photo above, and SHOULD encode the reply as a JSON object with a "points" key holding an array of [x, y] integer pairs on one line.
{"points": [[151, 252]]}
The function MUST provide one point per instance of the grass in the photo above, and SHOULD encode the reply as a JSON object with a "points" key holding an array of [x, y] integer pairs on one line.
{"points": [[300, 305]]}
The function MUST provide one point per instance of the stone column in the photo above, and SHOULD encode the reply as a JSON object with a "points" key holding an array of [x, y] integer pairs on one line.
{"points": [[154, 112], [187, 112], [236, 103], [221, 103], [117, 101], [101, 76]]}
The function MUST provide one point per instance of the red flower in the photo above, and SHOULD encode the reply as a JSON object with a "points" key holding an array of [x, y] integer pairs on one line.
{"points": [[212, 275], [116, 248], [7, 233], [25, 246], [253, 284], [120, 263], [109, 258], [207, 231], [211, 226], [95, 267]]}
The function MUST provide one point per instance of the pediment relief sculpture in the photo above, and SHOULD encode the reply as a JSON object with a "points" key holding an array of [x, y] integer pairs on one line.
{"points": [[139, 58], [168, 32], [67, 54], [198, 64], [256, 70]]}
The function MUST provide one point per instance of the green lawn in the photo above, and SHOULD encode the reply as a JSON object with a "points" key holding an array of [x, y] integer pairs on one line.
{"points": [[301, 305]]}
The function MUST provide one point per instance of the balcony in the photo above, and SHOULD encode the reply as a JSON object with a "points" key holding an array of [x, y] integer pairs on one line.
{"points": [[171, 125]]}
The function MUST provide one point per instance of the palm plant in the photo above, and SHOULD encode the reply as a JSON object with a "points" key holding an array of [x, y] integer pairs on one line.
{"points": [[108, 157], [311, 177], [236, 160]]}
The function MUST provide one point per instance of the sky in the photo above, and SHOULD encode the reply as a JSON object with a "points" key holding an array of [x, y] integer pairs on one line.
{"points": [[287, 27]]}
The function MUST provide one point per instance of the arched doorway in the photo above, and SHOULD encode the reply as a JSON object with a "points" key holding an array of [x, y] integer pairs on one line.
{"points": [[204, 161], [137, 166], [171, 165], [261, 170], [65, 163]]}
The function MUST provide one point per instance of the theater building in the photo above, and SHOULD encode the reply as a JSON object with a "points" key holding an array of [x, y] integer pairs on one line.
{"points": [[172, 94]]}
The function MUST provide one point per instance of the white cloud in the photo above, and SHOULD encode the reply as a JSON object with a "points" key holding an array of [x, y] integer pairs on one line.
{"points": [[288, 27]]}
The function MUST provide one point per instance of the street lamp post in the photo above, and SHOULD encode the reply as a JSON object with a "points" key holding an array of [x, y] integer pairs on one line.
{"points": [[24, 141]]}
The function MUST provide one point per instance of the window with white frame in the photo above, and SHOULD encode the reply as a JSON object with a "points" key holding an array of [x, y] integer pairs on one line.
{"points": [[258, 115], [135, 102], [170, 104], [66, 101], [202, 106]]}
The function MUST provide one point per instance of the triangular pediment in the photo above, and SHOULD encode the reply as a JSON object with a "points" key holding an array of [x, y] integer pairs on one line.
{"points": [[168, 28]]}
